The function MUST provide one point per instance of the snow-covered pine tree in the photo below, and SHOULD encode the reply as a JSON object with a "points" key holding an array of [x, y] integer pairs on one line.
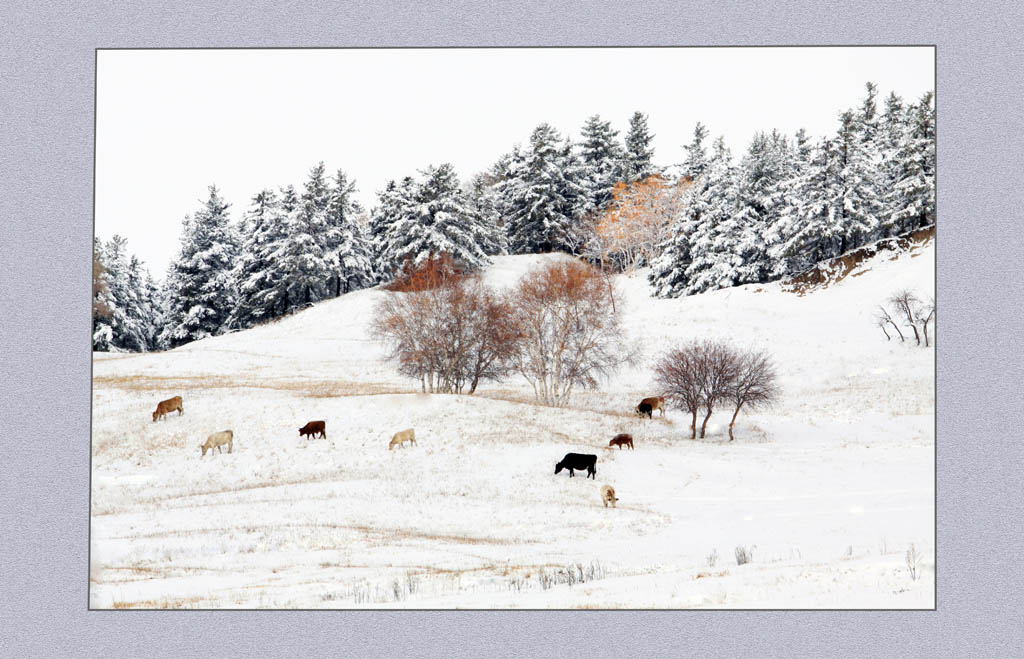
{"points": [[859, 184], [710, 201], [811, 229], [395, 205], [742, 243], [911, 200], [102, 302], [138, 331], [124, 278], [639, 157], [301, 253], [348, 250], [544, 197], [441, 222], [601, 158], [155, 302], [482, 194], [717, 239], [696, 154], [199, 290], [258, 275]]}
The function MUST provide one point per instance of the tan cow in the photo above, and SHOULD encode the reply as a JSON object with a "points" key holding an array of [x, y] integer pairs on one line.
{"points": [[402, 437], [608, 495], [217, 441], [165, 407], [654, 403]]}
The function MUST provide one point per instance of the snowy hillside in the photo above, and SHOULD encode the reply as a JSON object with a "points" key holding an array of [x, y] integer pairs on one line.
{"points": [[827, 490]]}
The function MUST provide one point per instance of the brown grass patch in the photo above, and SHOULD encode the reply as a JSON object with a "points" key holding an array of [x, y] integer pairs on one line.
{"points": [[180, 603], [308, 388]]}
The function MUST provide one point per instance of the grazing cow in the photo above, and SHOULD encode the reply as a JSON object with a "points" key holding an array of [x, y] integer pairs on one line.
{"points": [[622, 440], [312, 429], [581, 461], [608, 495], [165, 407], [217, 441], [402, 437], [655, 403], [644, 408]]}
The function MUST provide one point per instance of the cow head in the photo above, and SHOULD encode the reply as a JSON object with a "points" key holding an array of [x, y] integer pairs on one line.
{"points": [[558, 467], [202, 447], [155, 414]]}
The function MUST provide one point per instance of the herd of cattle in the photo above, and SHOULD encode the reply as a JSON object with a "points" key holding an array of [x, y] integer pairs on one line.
{"points": [[571, 462]]}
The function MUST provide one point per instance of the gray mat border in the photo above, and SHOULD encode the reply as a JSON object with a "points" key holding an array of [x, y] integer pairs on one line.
{"points": [[46, 83]]}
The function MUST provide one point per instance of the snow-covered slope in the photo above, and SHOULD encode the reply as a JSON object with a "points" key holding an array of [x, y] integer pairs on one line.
{"points": [[828, 490]]}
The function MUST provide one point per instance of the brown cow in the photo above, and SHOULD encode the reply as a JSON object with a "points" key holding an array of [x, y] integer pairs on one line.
{"points": [[313, 428], [165, 407], [621, 440], [655, 403]]}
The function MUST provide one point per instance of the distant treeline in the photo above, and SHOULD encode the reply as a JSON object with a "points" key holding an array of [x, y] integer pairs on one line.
{"points": [[705, 223]]}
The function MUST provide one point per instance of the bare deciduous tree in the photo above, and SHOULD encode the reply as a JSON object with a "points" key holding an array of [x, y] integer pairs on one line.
{"points": [[924, 314], [905, 303], [717, 367], [677, 375], [754, 384], [883, 318], [571, 336], [906, 309], [450, 335]]}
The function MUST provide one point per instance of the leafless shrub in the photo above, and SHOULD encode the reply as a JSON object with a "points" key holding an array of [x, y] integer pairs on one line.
{"points": [[753, 385], [569, 329], [907, 310], [913, 561], [924, 314], [713, 558], [904, 303], [884, 319], [570, 575], [744, 555], [450, 332]]}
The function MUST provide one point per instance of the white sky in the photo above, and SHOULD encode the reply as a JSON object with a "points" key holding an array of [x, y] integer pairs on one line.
{"points": [[171, 122]]}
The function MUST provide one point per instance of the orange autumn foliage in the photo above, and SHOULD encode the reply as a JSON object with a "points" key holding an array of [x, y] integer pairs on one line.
{"points": [[629, 230]]}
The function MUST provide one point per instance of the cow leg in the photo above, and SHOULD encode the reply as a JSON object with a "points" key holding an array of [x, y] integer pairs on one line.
{"points": [[230, 444], [570, 472]]}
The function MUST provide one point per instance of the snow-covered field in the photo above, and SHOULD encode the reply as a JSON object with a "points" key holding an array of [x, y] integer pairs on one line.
{"points": [[827, 490]]}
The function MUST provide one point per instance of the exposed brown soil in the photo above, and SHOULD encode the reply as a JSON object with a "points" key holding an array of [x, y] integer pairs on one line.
{"points": [[829, 272]]}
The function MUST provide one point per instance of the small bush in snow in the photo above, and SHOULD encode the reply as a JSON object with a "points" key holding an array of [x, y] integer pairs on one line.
{"points": [[713, 558], [909, 312], [913, 561], [571, 575], [744, 555]]}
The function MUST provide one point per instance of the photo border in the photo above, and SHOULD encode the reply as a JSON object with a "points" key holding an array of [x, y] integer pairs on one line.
{"points": [[47, 63]]}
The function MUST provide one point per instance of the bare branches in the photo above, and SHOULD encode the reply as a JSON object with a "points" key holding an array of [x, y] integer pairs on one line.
{"points": [[700, 375], [906, 309], [571, 336], [449, 332], [754, 385]]}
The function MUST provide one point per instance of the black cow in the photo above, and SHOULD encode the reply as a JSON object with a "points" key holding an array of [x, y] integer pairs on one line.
{"points": [[644, 408], [579, 461]]}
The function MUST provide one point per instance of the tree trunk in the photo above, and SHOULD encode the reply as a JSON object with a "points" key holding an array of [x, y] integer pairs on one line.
{"points": [[704, 426], [731, 423], [693, 424]]}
